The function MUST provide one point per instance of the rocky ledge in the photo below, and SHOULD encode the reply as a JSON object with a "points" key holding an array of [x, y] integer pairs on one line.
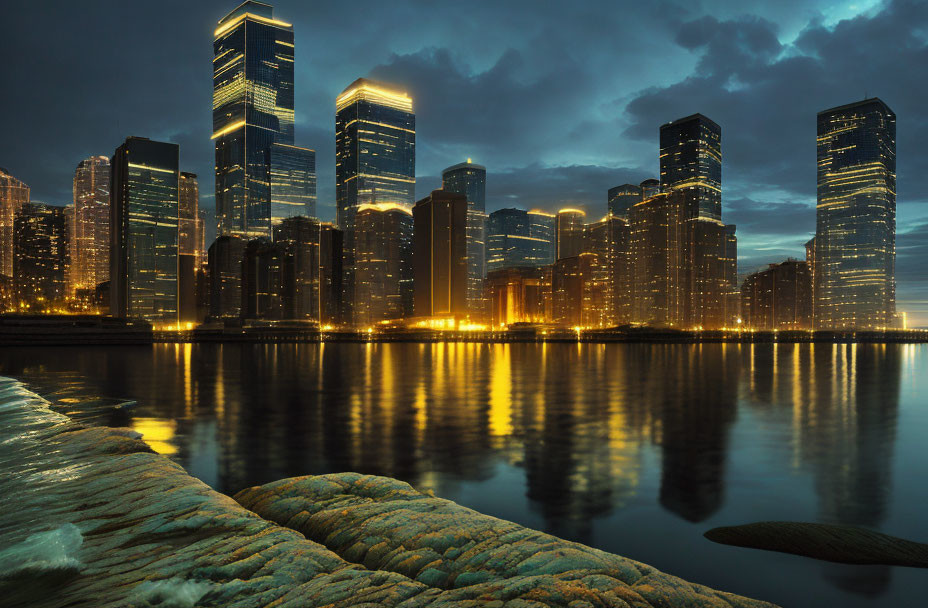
{"points": [[93, 518]]}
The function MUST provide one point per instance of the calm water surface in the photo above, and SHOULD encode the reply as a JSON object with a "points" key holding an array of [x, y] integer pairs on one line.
{"points": [[635, 449]]}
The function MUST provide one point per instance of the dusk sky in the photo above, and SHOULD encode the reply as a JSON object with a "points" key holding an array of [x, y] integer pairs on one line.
{"points": [[560, 100]]}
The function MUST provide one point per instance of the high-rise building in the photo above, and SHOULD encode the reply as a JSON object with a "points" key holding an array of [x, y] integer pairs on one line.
{"points": [[542, 234], [252, 110], [569, 232], [579, 286], [330, 274], [650, 187], [13, 195], [225, 277], [263, 279], [90, 225], [517, 238], [383, 288], [470, 180], [779, 297], [40, 260], [732, 293], [855, 236], [298, 236], [656, 225], [144, 206], [519, 295], [440, 268], [691, 161], [293, 182], [610, 240], [621, 198], [187, 242], [375, 158]]}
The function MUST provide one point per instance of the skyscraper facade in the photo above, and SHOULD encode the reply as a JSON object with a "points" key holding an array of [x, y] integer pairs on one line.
{"points": [[225, 277], [610, 240], [144, 209], [779, 297], [569, 232], [375, 158], [90, 225], [519, 295], [542, 234], [252, 110], [13, 195], [293, 182], [691, 161], [383, 288], [188, 240], [855, 236], [40, 264], [621, 198], [517, 238], [656, 226], [470, 180], [650, 187], [440, 264]]}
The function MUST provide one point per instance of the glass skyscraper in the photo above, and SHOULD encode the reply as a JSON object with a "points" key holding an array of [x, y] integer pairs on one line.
{"points": [[691, 160], [855, 236], [470, 180], [144, 207], [516, 238], [384, 245], [252, 110], [13, 195], [569, 235], [40, 241], [293, 182], [375, 158], [621, 198], [90, 225]]}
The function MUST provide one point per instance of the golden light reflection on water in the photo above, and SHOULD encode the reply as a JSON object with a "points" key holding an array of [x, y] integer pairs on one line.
{"points": [[158, 433]]}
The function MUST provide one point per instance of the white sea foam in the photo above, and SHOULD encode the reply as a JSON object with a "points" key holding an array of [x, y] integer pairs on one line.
{"points": [[50, 552], [168, 593]]}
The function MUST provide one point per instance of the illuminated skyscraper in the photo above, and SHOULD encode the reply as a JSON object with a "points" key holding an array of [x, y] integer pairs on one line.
{"points": [[517, 238], [90, 225], [13, 195], [440, 268], [542, 234], [293, 182], [732, 292], [569, 233], [650, 187], [621, 198], [855, 237], [252, 110], [187, 242], [610, 240], [144, 206], [384, 277], [657, 226], [691, 161], [579, 287], [40, 244], [225, 277], [375, 157], [519, 295], [470, 180]]}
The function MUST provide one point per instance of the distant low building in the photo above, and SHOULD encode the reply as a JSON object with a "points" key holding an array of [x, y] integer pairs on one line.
{"points": [[779, 297], [519, 295]]}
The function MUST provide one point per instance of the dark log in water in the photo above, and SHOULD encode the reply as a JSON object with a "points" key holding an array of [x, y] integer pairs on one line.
{"points": [[842, 544]]}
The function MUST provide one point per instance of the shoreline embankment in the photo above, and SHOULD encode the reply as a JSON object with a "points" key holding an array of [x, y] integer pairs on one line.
{"points": [[93, 517]]}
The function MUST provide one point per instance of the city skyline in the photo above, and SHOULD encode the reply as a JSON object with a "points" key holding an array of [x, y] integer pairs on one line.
{"points": [[772, 226]]}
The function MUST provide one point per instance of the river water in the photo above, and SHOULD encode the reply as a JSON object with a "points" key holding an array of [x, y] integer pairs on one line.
{"points": [[636, 449]]}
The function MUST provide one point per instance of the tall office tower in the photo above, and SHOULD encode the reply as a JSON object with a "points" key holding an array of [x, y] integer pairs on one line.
{"points": [[779, 297], [225, 277], [657, 226], [470, 180], [519, 295], [330, 274], [90, 225], [298, 236], [201, 239], [855, 235], [621, 198], [144, 206], [542, 235], [375, 158], [252, 110], [187, 240], [649, 188], [383, 286], [732, 292], [293, 182], [440, 264], [13, 195], [691, 161], [40, 260], [610, 240], [578, 287], [569, 233]]}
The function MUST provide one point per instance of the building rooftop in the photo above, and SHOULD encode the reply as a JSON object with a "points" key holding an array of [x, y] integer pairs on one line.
{"points": [[381, 93], [692, 118], [858, 104]]}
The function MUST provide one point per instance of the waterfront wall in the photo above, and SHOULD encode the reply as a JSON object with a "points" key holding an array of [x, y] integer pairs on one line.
{"points": [[92, 517]]}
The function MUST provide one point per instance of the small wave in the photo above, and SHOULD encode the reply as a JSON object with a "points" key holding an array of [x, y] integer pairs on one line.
{"points": [[168, 593], [50, 552]]}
